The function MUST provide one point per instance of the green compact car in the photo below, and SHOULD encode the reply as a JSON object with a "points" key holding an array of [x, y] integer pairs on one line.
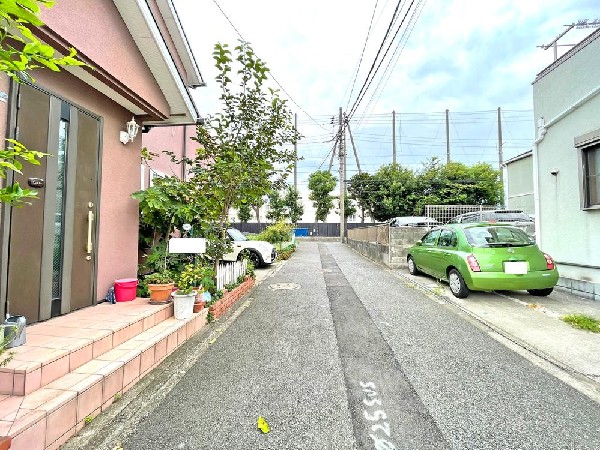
{"points": [[483, 257]]}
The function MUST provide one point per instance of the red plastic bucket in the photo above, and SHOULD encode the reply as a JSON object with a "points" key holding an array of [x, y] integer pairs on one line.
{"points": [[125, 289]]}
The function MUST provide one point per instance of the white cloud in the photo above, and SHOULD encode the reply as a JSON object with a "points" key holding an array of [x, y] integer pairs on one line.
{"points": [[467, 55]]}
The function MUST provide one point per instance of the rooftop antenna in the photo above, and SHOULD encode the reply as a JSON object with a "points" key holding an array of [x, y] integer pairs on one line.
{"points": [[580, 24]]}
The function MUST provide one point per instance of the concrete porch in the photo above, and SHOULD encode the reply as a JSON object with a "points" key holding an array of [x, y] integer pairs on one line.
{"points": [[73, 367]]}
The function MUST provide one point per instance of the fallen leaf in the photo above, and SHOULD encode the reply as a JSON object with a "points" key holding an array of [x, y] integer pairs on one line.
{"points": [[263, 425]]}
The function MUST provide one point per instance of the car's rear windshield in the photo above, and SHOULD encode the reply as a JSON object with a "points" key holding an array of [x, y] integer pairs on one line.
{"points": [[497, 237]]}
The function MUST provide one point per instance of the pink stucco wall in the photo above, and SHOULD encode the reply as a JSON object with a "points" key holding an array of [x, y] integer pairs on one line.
{"points": [[170, 139], [118, 212], [95, 28]]}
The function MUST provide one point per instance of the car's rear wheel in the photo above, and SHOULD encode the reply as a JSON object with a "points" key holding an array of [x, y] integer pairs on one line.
{"points": [[412, 267], [457, 284], [540, 292]]}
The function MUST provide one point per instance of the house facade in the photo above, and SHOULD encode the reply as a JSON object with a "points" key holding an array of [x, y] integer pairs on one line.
{"points": [[64, 251], [518, 183], [566, 164]]}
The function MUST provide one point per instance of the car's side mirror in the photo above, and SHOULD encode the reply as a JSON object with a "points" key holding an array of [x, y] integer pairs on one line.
{"points": [[419, 243]]}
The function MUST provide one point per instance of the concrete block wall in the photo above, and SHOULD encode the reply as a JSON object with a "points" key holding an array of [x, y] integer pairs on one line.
{"points": [[394, 254], [401, 240], [372, 250]]}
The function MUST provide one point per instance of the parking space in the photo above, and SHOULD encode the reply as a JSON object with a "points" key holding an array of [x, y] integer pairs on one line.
{"points": [[531, 322]]}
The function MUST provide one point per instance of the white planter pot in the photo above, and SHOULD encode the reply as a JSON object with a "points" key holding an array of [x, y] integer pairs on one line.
{"points": [[183, 305]]}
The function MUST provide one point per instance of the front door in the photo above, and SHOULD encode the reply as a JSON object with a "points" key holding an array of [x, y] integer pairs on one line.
{"points": [[52, 242]]}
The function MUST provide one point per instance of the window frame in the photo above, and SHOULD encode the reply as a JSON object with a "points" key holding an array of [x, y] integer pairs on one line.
{"points": [[584, 144], [587, 194]]}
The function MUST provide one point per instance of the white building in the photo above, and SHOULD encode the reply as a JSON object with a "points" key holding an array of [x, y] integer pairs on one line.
{"points": [[566, 164]]}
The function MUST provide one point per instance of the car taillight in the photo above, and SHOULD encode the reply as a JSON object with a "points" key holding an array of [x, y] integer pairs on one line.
{"points": [[549, 262], [473, 264]]}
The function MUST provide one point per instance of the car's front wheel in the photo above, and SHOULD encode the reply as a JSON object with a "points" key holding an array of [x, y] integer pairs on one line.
{"points": [[254, 258], [457, 284], [412, 267], [540, 292]]}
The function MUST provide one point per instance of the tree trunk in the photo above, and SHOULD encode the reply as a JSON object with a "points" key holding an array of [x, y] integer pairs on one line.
{"points": [[257, 212]]}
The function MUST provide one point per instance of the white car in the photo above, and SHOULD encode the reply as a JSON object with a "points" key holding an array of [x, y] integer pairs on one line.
{"points": [[260, 253], [413, 221]]}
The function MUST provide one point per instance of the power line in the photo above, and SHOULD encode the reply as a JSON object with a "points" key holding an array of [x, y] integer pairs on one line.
{"points": [[361, 55], [394, 16], [270, 73]]}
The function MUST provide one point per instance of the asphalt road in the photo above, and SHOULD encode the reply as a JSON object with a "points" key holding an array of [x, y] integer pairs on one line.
{"points": [[336, 352]]}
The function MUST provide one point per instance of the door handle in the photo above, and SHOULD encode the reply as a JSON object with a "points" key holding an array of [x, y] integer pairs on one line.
{"points": [[89, 245]]}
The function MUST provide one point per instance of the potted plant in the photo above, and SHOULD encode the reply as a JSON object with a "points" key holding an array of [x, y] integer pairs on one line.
{"points": [[160, 285], [202, 280], [183, 299]]}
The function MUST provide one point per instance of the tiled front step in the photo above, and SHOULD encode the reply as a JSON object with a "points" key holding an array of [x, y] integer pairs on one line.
{"points": [[50, 416], [61, 345]]}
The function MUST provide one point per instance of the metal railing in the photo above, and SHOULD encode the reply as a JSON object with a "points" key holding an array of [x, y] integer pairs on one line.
{"points": [[443, 213]]}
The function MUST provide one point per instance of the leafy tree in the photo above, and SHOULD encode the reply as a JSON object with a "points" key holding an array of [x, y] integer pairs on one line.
{"points": [[320, 184], [243, 152], [394, 192], [168, 204], [293, 204], [20, 53], [349, 208], [360, 189], [244, 212], [276, 210], [456, 183]]}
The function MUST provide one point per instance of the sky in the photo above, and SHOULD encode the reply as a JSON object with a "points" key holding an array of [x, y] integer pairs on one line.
{"points": [[469, 56]]}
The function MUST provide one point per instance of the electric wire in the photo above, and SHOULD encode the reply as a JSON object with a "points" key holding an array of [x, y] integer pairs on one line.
{"points": [[361, 95], [362, 53], [270, 73], [392, 21]]}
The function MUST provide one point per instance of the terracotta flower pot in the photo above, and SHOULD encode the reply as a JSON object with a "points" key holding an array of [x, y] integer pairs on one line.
{"points": [[199, 306], [160, 292]]}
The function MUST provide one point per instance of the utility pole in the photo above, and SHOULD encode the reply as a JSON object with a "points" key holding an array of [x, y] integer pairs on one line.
{"points": [[447, 136], [342, 154], [394, 137], [295, 153], [500, 158]]}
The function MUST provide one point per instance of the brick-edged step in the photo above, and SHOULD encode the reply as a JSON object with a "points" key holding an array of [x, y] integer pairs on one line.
{"points": [[61, 345], [48, 417]]}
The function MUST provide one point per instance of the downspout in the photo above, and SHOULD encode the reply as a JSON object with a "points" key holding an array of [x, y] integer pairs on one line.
{"points": [[184, 164], [542, 129], [536, 186]]}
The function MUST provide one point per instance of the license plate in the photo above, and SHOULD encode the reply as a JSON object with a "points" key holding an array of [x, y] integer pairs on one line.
{"points": [[515, 267]]}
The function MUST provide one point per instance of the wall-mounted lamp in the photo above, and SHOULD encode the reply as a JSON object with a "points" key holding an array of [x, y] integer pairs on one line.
{"points": [[554, 172], [131, 133]]}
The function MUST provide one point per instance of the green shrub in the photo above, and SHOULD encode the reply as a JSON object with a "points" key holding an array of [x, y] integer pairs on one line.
{"points": [[275, 234], [286, 252], [159, 278], [197, 275]]}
